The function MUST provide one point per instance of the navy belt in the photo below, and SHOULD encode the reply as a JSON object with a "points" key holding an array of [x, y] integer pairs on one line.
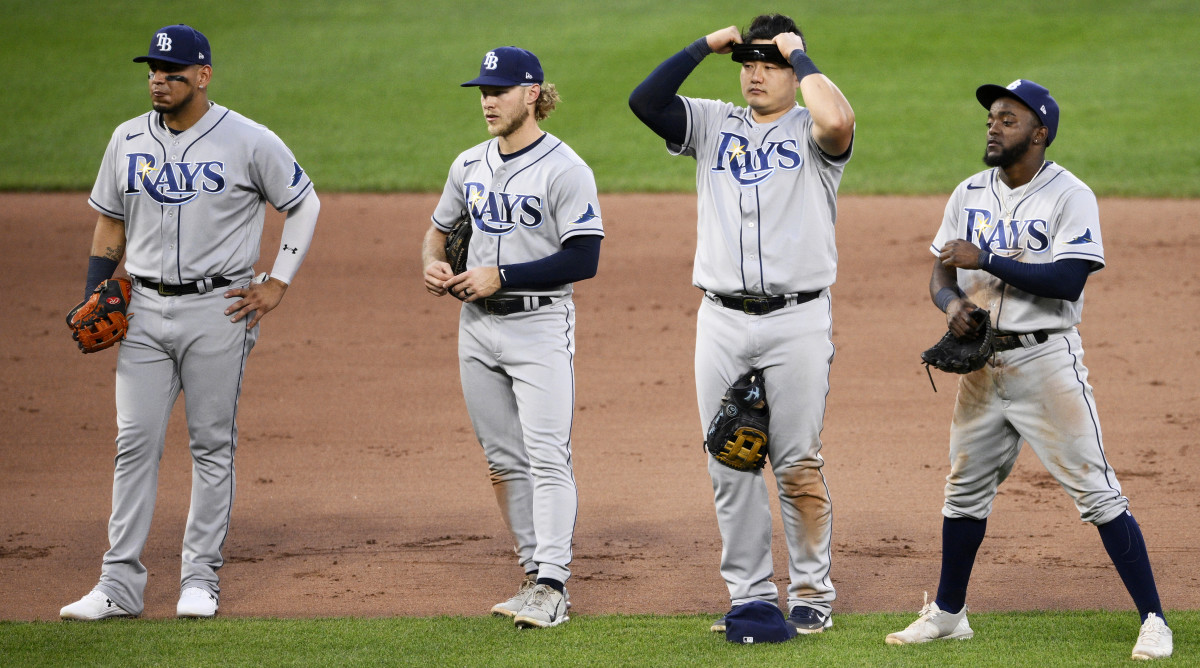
{"points": [[187, 288], [763, 305], [1003, 342], [508, 305]]}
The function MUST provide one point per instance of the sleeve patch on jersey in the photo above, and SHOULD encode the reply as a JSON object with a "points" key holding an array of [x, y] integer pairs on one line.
{"points": [[296, 175], [584, 217], [1085, 238]]}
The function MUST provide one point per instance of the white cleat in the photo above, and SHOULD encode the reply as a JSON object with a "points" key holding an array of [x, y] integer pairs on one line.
{"points": [[934, 624], [196, 602], [512, 606], [96, 605], [1155, 640], [546, 607]]}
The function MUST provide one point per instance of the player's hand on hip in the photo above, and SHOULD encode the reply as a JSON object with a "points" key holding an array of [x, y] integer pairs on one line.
{"points": [[958, 316], [436, 275], [257, 299], [788, 42], [722, 41], [960, 254], [475, 283]]}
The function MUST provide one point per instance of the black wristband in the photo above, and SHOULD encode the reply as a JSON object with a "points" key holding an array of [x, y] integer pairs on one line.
{"points": [[100, 269], [802, 64], [944, 297]]}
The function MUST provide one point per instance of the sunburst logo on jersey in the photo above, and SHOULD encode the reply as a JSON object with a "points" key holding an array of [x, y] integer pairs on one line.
{"points": [[736, 150], [983, 224]]}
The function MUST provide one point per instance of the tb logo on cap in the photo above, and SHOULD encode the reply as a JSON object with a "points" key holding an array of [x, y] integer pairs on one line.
{"points": [[490, 61], [164, 41]]}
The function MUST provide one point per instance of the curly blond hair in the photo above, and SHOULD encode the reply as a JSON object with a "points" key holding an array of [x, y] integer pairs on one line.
{"points": [[547, 99]]}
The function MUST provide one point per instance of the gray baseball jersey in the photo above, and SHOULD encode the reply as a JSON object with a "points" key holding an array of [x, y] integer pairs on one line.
{"points": [[1045, 398], [193, 203], [193, 208], [1053, 217], [523, 209], [517, 370], [766, 203]]}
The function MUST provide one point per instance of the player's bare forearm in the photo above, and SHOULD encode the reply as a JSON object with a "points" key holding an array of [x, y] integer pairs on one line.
{"points": [[959, 308], [722, 40], [833, 117], [433, 258], [108, 241], [256, 298], [474, 283], [433, 248]]}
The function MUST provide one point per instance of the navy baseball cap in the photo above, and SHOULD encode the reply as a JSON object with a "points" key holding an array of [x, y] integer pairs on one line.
{"points": [[180, 44], [757, 621], [1034, 96], [508, 66]]}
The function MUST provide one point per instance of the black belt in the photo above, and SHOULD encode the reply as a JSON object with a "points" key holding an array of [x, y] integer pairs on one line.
{"points": [[1003, 342], [185, 289], [507, 305], [762, 305]]}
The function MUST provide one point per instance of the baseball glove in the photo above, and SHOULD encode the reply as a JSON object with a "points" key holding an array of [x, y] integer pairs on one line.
{"points": [[737, 435], [458, 241], [963, 355], [100, 320]]}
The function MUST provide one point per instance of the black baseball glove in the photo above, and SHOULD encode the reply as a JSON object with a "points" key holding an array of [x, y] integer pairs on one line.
{"points": [[458, 241], [963, 355], [737, 435]]}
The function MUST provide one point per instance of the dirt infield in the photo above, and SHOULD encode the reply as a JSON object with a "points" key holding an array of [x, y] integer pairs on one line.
{"points": [[361, 489]]}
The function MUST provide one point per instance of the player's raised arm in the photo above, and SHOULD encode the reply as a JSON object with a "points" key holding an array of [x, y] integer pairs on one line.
{"points": [[833, 117], [656, 101]]}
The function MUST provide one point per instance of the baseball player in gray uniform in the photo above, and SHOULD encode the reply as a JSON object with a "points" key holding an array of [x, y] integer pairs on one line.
{"points": [[537, 229], [766, 176], [180, 196], [1020, 240]]}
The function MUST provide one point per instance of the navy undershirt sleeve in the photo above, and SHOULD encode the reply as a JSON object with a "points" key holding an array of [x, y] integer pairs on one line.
{"points": [[1061, 279], [656, 101], [578, 259]]}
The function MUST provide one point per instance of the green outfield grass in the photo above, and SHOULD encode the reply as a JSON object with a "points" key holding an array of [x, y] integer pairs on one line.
{"points": [[366, 92], [1040, 639]]}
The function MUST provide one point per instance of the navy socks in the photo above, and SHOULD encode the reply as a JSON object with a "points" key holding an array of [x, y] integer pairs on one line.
{"points": [[961, 538], [1125, 546], [554, 584]]}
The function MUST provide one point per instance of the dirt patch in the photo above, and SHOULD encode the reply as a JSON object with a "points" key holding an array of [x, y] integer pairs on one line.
{"points": [[363, 492]]}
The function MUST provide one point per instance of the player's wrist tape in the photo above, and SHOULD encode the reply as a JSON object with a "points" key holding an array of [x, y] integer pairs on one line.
{"points": [[802, 64], [100, 269], [944, 297]]}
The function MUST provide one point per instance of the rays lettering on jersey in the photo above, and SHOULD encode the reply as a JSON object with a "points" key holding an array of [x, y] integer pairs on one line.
{"points": [[1006, 238], [500, 213], [753, 166], [173, 183]]}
